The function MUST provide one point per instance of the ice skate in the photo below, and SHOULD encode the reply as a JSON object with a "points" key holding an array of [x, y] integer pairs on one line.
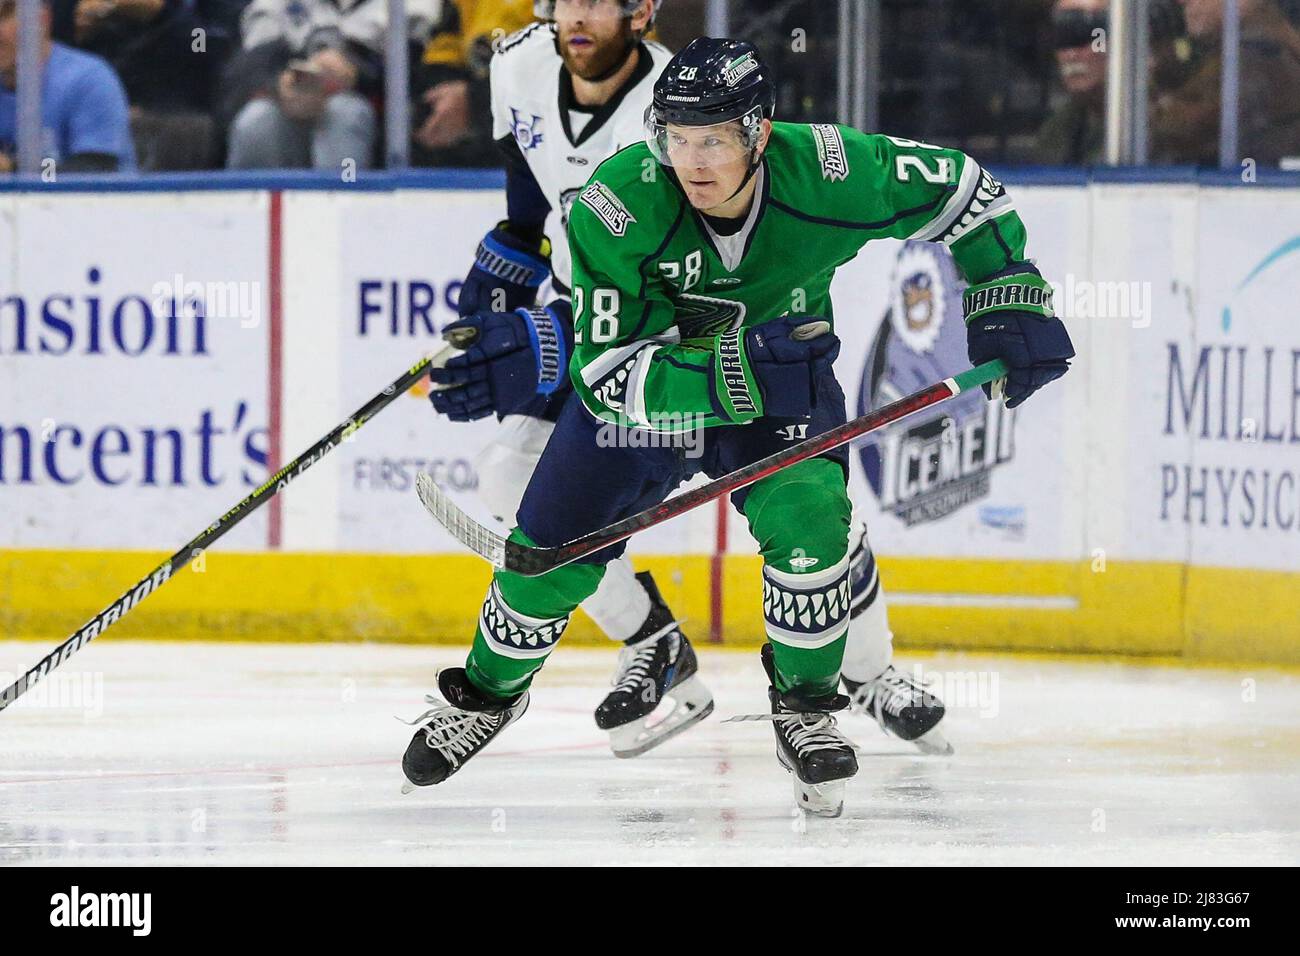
{"points": [[903, 709], [810, 746], [455, 729], [657, 691]]}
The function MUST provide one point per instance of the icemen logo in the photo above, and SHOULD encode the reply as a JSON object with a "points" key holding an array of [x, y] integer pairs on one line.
{"points": [[608, 208], [527, 133], [931, 464], [830, 150], [739, 68]]}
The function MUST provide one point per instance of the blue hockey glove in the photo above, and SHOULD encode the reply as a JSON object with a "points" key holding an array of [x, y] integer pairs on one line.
{"points": [[1010, 317], [507, 263], [787, 356], [515, 357]]}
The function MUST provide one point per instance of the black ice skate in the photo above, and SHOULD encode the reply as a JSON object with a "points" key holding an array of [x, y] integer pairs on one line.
{"points": [[455, 729], [902, 708], [657, 693], [810, 746]]}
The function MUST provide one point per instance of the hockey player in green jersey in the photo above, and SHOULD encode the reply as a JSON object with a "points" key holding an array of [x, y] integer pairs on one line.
{"points": [[702, 264]]}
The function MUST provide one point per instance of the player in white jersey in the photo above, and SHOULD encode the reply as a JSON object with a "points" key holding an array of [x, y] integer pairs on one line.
{"points": [[567, 93]]}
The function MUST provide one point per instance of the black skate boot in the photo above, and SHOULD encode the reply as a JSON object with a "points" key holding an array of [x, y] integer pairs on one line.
{"points": [[902, 708], [455, 729], [809, 745], [656, 679]]}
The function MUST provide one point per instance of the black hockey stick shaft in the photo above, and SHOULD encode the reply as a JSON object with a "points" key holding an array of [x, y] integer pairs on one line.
{"points": [[132, 597], [532, 562]]}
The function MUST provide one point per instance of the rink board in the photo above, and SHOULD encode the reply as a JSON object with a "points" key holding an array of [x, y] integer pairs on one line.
{"points": [[184, 342], [1134, 609]]}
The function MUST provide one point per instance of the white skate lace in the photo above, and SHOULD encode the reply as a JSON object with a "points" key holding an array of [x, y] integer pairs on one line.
{"points": [[805, 731], [891, 692], [634, 664], [453, 732], [809, 732]]}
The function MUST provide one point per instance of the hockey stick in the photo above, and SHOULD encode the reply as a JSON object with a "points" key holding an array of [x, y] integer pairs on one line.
{"points": [[132, 597], [531, 562]]}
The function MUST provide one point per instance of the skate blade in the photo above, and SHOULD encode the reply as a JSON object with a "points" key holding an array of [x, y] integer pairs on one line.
{"points": [[692, 702], [820, 799], [408, 787], [934, 744], [816, 799]]}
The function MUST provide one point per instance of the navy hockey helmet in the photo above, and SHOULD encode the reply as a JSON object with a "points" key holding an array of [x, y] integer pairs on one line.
{"points": [[713, 82]]}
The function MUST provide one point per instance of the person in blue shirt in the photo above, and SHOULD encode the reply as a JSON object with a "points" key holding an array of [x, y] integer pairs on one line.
{"points": [[84, 117]]}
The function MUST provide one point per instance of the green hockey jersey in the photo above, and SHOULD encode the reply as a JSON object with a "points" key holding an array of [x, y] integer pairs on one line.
{"points": [[660, 299]]}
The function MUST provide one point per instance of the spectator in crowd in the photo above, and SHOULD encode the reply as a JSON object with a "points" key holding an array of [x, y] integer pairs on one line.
{"points": [[1075, 131], [303, 90], [84, 120], [1185, 117], [166, 53], [451, 104]]}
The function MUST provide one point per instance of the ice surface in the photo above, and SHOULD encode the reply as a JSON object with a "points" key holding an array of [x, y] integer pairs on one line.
{"points": [[266, 754]]}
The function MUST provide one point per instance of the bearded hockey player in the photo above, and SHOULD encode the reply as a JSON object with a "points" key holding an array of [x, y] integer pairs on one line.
{"points": [[702, 263], [566, 95]]}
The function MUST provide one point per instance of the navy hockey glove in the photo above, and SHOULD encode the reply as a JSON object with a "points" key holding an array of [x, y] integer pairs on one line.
{"points": [[1010, 317], [516, 357], [507, 263], [787, 356]]}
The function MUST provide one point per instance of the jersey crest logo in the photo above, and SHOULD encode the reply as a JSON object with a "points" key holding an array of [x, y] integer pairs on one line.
{"points": [[702, 316], [830, 150], [739, 68], [608, 208], [527, 132]]}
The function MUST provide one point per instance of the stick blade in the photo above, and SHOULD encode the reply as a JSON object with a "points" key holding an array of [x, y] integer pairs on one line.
{"points": [[482, 541]]}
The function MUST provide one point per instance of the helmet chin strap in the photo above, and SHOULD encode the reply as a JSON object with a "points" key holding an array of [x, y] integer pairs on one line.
{"points": [[754, 163]]}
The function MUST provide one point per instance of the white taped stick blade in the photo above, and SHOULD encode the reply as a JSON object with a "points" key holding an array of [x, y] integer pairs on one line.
{"points": [[462, 527]]}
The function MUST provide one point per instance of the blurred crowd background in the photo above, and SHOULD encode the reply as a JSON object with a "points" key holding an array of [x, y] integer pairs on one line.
{"points": [[281, 84]]}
